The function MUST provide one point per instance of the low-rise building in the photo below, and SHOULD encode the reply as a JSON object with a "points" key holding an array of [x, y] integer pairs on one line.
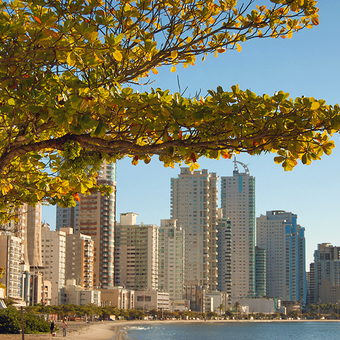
{"points": [[77, 295], [257, 305], [152, 299], [119, 297]]}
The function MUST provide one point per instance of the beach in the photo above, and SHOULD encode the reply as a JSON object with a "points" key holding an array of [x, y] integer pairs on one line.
{"points": [[79, 330]]}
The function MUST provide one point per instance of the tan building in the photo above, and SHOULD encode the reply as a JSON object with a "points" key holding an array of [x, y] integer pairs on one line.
{"points": [[79, 255], [53, 257], [76, 295], [119, 297], [194, 205], [136, 254]]}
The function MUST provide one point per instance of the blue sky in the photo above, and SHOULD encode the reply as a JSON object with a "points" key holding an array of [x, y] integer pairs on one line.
{"points": [[307, 64]]}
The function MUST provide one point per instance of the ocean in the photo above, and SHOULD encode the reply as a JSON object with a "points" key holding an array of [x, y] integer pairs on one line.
{"points": [[284, 330]]}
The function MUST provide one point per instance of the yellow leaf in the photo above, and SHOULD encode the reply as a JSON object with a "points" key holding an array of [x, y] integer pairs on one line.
{"points": [[173, 69], [185, 65], [154, 71], [289, 34], [315, 19], [71, 59], [174, 54], [315, 106], [239, 48], [259, 33], [216, 54], [117, 55]]}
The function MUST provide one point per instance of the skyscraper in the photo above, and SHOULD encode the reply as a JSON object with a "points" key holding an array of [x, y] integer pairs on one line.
{"points": [[79, 254], [136, 254], [194, 205], [238, 204], [224, 254], [326, 274], [53, 258], [97, 215], [171, 259], [284, 241]]}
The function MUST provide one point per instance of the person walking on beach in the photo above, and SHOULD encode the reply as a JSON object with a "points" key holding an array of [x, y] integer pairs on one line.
{"points": [[64, 327], [52, 326]]}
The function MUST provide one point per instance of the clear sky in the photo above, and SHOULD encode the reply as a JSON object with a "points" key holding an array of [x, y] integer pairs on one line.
{"points": [[309, 65]]}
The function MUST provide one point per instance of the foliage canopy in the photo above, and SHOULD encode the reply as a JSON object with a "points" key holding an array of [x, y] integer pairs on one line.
{"points": [[68, 71]]}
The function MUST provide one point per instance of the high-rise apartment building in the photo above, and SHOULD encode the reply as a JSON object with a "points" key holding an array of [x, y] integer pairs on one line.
{"points": [[136, 254], [238, 205], [224, 254], [194, 205], [326, 274], [97, 215], [284, 241], [53, 258], [171, 259], [79, 255], [68, 218], [10, 260]]}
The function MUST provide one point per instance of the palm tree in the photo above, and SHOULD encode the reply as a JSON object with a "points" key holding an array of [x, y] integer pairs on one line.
{"points": [[237, 307], [221, 308]]}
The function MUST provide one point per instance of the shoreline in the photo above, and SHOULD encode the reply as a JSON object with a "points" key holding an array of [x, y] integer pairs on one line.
{"points": [[116, 330]]}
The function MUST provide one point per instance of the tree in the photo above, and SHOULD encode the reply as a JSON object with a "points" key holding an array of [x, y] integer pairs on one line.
{"points": [[68, 71], [221, 308], [237, 307]]}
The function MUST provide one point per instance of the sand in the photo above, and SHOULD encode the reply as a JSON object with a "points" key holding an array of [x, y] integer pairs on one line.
{"points": [[78, 330]]}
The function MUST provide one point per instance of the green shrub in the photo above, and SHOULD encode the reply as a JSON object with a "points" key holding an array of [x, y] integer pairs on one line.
{"points": [[10, 322], [35, 324]]}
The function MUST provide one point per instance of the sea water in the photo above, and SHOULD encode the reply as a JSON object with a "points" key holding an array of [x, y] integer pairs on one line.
{"points": [[282, 330]]}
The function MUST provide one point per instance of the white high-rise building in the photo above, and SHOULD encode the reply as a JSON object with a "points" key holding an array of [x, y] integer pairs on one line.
{"points": [[10, 260], [171, 259], [238, 205], [194, 205], [136, 254], [53, 258], [283, 239]]}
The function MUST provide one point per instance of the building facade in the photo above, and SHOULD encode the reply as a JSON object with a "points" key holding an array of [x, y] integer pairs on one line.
{"points": [[53, 259], [284, 241], [326, 274], [79, 253], [171, 259], [97, 215], [10, 260], [136, 254], [194, 205], [238, 205], [68, 218], [224, 254], [260, 272]]}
